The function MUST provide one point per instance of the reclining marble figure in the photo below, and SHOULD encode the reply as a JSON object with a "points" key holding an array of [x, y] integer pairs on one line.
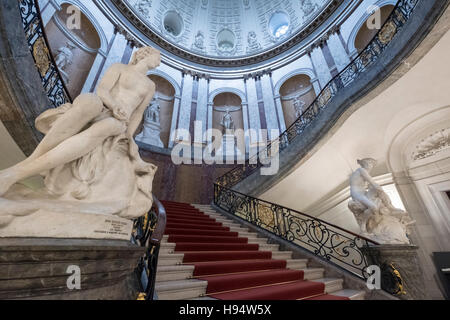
{"points": [[88, 156]]}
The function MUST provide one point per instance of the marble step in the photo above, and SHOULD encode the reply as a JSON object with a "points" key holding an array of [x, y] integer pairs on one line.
{"points": [[171, 259], [331, 284], [172, 273], [181, 289], [313, 273], [351, 294], [282, 255], [296, 264], [167, 247]]}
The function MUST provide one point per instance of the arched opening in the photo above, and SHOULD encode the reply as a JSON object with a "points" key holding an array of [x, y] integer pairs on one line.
{"points": [[297, 94], [74, 49], [365, 35], [230, 103], [164, 99]]}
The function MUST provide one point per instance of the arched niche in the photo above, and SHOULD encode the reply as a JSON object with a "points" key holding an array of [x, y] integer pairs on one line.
{"points": [[78, 45], [297, 93], [419, 158], [232, 102], [365, 35], [164, 93]]}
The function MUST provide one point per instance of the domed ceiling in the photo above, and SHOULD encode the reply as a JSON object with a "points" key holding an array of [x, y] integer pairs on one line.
{"points": [[211, 31]]}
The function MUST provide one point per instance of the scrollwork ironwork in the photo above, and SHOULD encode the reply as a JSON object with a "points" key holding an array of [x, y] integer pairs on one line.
{"points": [[39, 48], [329, 242]]}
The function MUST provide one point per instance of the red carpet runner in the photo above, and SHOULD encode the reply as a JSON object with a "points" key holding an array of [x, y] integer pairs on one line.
{"points": [[234, 269]]}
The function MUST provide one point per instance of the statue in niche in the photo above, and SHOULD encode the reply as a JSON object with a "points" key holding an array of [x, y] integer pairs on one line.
{"points": [[204, 3], [153, 111], [299, 106], [372, 207], [152, 126], [246, 3], [308, 7], [88, 156], [227, 122], [64, 58], [253, 44], [199, 41]]}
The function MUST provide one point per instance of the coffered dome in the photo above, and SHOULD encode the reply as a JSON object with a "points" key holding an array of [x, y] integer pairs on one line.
{"points": [[225, 29]]}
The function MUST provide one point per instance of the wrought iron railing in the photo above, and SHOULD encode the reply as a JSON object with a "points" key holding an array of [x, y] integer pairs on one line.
{"points": [[37, 42], [366, 58], [327, 241], [148, 232]]}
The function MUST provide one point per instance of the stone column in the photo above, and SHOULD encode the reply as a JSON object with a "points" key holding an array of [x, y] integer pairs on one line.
{"points": [[401, 273], [173, 127]]}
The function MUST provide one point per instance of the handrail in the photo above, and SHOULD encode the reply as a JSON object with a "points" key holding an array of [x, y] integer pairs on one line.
{"points": [[325, 240], [367, 57], [49, 73], [148, 233]]}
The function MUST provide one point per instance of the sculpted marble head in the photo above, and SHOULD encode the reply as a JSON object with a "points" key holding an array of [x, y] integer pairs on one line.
{"points": [[148, 55], [367, 163]]}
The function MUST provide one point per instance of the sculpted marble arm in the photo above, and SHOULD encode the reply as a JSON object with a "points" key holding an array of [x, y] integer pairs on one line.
{"points": [[370, 180], [107, 83]]}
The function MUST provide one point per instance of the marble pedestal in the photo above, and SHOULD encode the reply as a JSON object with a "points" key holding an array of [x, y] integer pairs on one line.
{"points": [[151, 134], [33, 268], [405, 260], [47, 224], [229, 148]]}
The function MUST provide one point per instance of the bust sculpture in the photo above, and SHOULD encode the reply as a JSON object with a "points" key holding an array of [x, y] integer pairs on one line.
{"points": [[376, 216], [88, 156]]}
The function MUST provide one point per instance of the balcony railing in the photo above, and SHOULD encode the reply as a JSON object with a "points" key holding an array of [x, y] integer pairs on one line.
{"points": [[40, 50], [366, 58], [327, 241]]}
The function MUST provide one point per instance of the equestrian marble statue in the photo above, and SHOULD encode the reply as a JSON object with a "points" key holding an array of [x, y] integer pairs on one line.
{"points": [[376, 216], [88, 158]]}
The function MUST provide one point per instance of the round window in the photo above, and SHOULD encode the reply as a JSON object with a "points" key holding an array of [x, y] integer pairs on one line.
{"points": [[173, 23], [279, 24]]}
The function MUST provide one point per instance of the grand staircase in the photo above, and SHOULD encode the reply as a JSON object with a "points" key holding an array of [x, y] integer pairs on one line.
{"points": [[205, 255]]}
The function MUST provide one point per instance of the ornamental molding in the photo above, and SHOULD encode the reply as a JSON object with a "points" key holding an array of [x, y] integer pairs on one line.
{"points": [[432, 145], [141, 26]]}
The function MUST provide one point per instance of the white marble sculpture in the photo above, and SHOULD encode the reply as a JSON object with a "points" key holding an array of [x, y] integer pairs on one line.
{"points": [[229, 146], [227, 122], [63, 59], [299, 106], [376, 216], [89, 160], [152, 126]]}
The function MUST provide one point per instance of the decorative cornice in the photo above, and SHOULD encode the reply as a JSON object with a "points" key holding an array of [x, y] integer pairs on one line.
{"points": [[223, 62]]}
